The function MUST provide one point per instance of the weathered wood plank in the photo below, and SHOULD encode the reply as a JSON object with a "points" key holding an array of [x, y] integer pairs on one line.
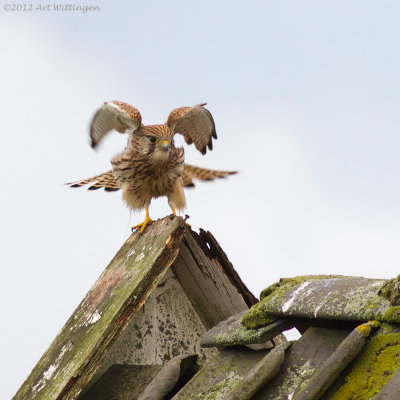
{"points": [[207, 240], [74, 356], [122, 382], [166, 326], [207, 284]]}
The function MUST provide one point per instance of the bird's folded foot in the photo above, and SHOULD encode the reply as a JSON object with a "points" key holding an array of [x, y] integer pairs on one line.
{"points": [[143, 225]]}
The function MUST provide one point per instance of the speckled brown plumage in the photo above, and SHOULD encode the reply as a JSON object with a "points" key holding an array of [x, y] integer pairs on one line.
{"points": [[107, 179], [150, 165]]}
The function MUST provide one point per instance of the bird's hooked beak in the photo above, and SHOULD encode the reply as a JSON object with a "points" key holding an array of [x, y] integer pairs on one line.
{"points": [[164, 144]]}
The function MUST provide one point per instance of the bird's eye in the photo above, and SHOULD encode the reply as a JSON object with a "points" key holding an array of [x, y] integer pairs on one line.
{"points": [[152, 139]]}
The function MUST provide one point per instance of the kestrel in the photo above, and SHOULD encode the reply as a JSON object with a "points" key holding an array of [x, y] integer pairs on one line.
{"points": [[150, 165]]}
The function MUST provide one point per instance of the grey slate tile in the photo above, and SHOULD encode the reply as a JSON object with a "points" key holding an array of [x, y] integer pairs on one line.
{"points": [[167, 379], [231, 332], [303, 359], [371, 371], [391, 391], [337, 362], [323, 297], [222, 374]]}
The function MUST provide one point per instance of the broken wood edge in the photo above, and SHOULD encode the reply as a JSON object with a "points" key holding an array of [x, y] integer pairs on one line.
{"points": [[211, 247], [134, 303]]}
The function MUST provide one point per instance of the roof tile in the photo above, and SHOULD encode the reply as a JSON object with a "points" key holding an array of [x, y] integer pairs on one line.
{"points": [[323, 297]]}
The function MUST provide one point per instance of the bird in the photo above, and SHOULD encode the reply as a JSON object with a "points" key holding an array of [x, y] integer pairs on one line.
{"points": [[151, 165]]}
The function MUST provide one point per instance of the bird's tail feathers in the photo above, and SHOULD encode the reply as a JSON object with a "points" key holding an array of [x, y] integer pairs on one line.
{"points": [[105, 180], [191, 172]]}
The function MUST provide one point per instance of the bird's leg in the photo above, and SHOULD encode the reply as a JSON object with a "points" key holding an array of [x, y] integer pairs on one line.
{"points": [[144, 223], [173, 212]]}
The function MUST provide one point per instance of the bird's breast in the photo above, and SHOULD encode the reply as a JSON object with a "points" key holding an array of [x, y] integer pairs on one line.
{"points": [[157, 179], [149, 177]]}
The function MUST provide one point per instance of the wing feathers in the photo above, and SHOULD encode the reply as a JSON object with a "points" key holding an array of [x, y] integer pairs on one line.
{"points": [[113, 115], [196, 124]]}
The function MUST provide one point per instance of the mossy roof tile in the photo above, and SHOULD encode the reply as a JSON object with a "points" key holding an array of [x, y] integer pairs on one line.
{"points": [[232, 332], [342, 298]]}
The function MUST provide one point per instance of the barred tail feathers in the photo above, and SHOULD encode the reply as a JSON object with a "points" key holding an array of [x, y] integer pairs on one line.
{"points": [[105, 180], [191, 172]]}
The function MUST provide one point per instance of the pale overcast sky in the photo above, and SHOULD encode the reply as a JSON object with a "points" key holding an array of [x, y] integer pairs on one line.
{"points": [[305, 96]]}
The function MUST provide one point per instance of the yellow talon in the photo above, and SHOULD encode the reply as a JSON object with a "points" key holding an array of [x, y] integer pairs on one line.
{"points": [[144, 223]]}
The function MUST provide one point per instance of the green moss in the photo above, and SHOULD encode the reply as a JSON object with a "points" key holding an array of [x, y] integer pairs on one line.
{"points": [[375, 324], [392, 315], [365, 329], [386, 328], [272, 288], [240, 335], [390, 290], [284, 284], [219, 390], [372, 369], [258, 315], [298, 376], [364, 304]]}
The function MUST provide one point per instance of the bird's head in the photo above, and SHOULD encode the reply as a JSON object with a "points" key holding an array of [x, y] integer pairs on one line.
{"points": [[158, 141]]}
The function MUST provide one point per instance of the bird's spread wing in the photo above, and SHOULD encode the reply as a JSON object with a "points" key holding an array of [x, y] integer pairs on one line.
{"points": [[191, 172], [105, 180], [108, 182], [114, 115], [196, 124]]}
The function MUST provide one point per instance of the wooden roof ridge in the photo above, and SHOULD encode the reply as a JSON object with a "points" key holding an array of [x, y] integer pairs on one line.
{"points": [[74, 357]]}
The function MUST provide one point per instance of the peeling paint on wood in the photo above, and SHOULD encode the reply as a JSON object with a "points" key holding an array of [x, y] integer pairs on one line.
{"points": [[74, 356], [200, 289], [213, 291], [166, 327]]}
